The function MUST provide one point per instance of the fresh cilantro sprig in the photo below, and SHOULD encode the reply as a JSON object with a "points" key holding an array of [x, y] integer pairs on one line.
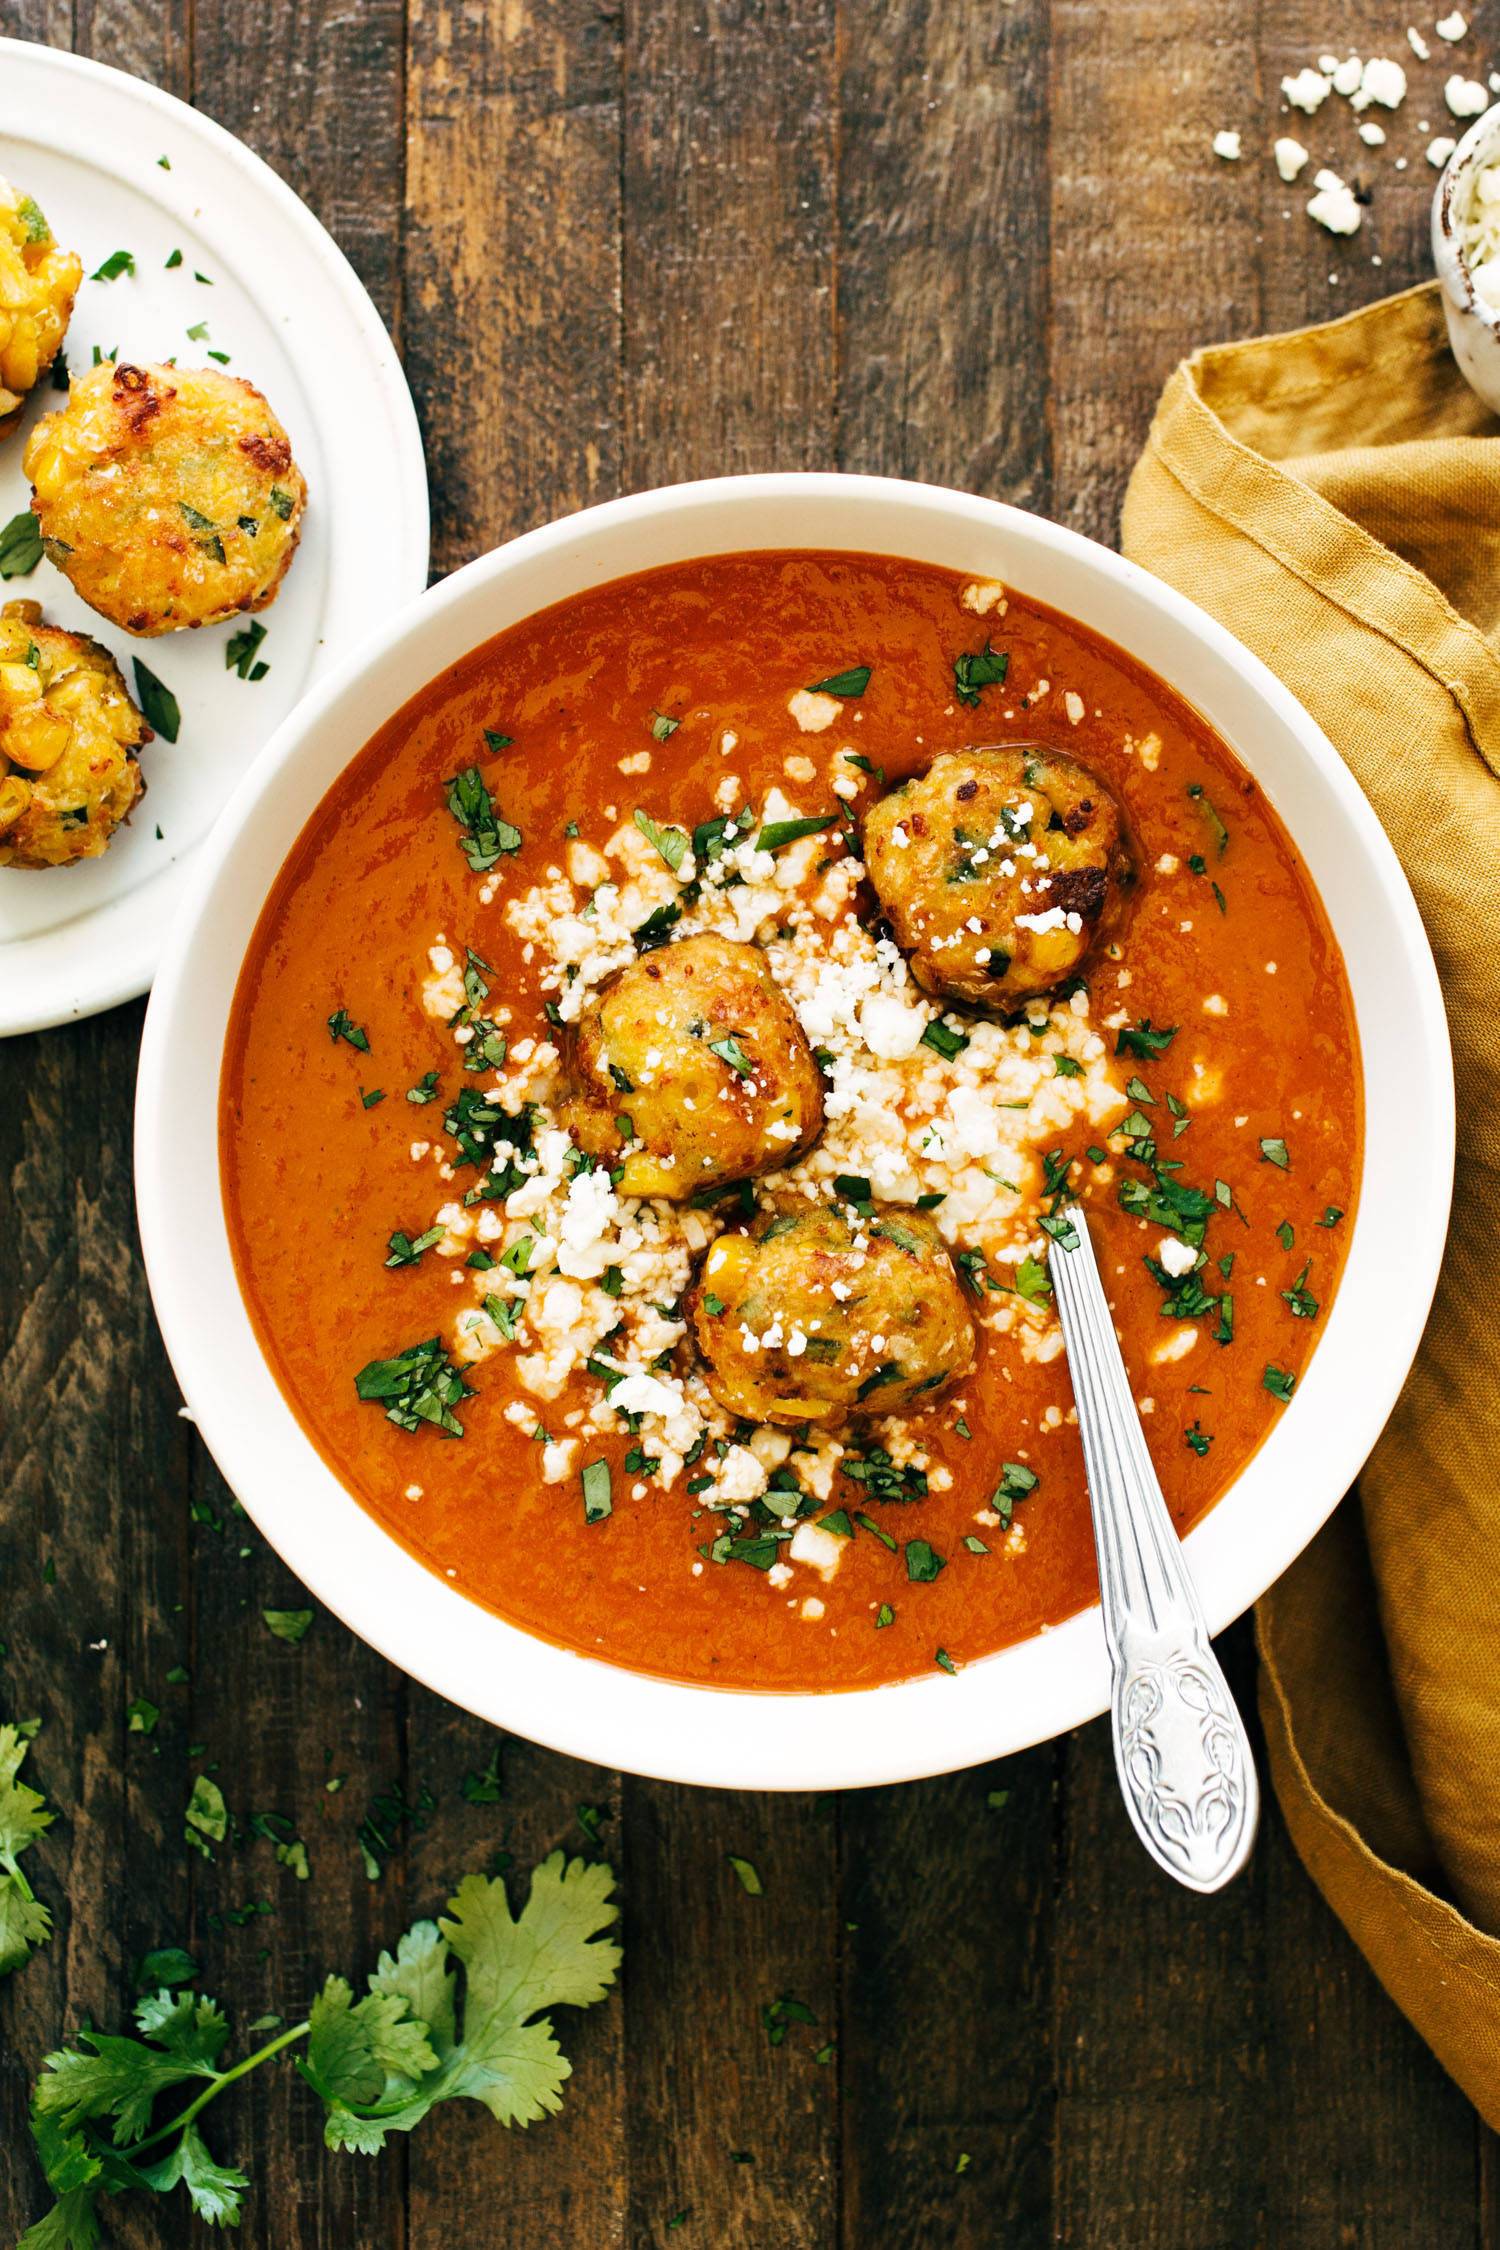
{"points": [[24, 1921], [379, 2063]]}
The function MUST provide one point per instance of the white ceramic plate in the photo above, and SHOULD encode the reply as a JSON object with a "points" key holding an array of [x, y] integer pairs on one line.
{"points": [[284, 303], [929, 1725]]}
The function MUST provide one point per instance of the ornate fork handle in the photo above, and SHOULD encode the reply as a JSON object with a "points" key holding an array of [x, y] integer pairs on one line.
{"points": [[1180, 1745]]}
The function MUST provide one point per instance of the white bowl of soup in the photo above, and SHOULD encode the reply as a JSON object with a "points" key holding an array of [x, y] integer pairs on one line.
{"points": [[599, 1223]]}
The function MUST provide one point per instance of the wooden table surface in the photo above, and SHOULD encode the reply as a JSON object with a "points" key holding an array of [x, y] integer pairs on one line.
{"points": [[620, 243]]}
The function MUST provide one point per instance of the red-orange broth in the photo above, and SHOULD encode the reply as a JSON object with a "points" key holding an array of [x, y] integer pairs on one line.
{"points": [[315, 1181]]}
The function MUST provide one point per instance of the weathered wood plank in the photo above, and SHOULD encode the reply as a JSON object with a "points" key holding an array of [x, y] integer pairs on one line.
{"points": [[943, 233], [318, 90], [149, 42], [1153, 238], [729, 264], [729, 363], [943, 226], [49, 22], [946, 2084], [512, 262], [91, 1545]]}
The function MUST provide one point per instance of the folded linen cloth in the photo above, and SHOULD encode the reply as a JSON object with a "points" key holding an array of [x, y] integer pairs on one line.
{"points": [[1333, 496]]}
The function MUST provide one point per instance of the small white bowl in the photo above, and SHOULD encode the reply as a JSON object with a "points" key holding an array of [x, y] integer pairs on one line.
{"points": [[1473, 326], [581, 1704]]}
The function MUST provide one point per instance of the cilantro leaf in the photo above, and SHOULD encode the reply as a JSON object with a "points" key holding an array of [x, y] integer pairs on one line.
{"points": [[380, 2063], [550, 1956], [216, 2190], [24, 1921]]}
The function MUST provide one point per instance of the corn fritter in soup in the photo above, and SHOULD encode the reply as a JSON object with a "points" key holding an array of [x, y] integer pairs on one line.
{"points": [[640, 1164]]}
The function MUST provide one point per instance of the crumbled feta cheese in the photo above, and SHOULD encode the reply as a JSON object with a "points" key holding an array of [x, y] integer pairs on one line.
{"points": [[1334, 206], [1439, 150], [1451, 27], [820, 1550], [1371, 134], [1345, 75], [984, 596], [1227, 145], [1381, 81], [1418, 44], [1307, 91], [1176, 1257], [1291, 157], [813, 713], [1465, 96]]}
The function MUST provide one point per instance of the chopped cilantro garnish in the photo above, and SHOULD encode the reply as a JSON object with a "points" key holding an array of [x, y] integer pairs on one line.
{"points": [[1331, 1216], [341, 1025], [118, 262], [662, 727], [1275, 1152], [1032, 1282], [943, 1039], [858, 758], [20, 546], [419, 1385], [425, 1090], [496, 742], [923, 1562], [670, 842], [598, 1501], [745, 1869], [373, 1098], [1278, 1382], [1145, 1040], [241, 648], [776, 833], [1285, 1234], [850, 683], [657, 927], [884, 1616], [944, 1662], [729, 1050], [1303, 1305], [1065, 1067], [288, 1624], [485, 834], [1216, 826], [977, 669], [158, 704], [406, 1252], [1198, 1438]]}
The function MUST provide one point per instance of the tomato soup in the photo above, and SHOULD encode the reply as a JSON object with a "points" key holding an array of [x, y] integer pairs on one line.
{"points": [[482, 1166]]}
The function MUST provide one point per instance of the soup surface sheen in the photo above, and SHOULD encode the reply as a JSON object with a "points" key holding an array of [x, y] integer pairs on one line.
{"points": [[397, 1171]]}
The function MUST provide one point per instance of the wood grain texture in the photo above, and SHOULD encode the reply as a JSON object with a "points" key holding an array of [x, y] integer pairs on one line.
{"points": [[511, 311], [624, 244]]}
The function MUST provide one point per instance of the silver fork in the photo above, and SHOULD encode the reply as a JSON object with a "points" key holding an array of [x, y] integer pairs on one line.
{"points": [[1181, 1751]]}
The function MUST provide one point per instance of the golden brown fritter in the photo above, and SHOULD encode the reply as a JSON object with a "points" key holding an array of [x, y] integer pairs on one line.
{"points": [[38, 283], [68, 737], [689, 1068], [168, 495], [818, 1312], [1000, 869]]}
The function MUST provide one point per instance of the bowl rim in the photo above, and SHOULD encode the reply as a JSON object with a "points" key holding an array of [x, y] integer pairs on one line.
{"points": [[1480, 140], [933, 1723]]}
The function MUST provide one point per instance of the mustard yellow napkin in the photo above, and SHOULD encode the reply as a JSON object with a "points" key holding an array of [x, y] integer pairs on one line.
{"points": [[1333, 496]]}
